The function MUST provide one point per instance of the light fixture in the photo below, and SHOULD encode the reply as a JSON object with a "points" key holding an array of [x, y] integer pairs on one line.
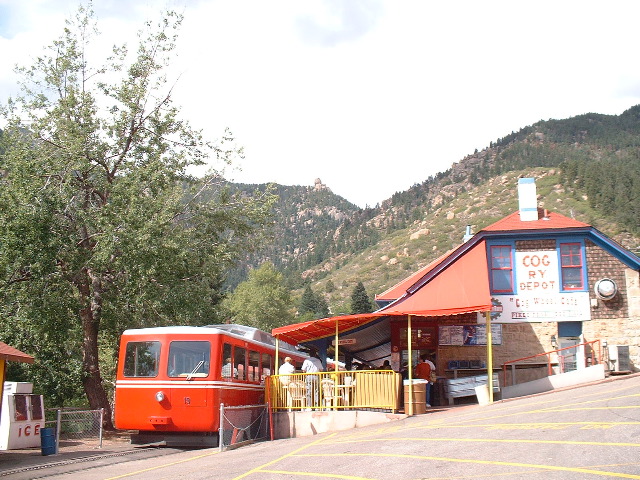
{"points": [[605, 289], [554, 341], [160, 396]]}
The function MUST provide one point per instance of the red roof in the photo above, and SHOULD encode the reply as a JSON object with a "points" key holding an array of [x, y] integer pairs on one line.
{"points": [[13, 354], [550, 220]]}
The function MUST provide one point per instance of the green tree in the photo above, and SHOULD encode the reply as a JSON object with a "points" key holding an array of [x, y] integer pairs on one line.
{"points": [[262, 301], [312, 305], [360, 302], [322, 307], [330, 287], [102, 229], [308, 301]]}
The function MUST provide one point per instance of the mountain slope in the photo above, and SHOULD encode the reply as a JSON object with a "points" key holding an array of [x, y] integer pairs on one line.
{"points": [[587, 167]]}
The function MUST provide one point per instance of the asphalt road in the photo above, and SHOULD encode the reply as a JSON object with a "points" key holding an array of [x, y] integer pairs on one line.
{"points": [[586, 432]]}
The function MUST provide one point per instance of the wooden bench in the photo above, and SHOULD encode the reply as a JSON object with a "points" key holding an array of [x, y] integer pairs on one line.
{"points": [[466, 386]]}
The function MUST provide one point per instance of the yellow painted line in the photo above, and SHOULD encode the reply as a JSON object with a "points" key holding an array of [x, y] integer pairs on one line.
{"points": [[556, 408], [492, 440], [290, 454], [532, 425], [480, 462], [576, 409], [130, 474], [549, 409], [315, 475]]}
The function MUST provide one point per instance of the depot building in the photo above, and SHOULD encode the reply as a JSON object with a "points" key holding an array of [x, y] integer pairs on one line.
{"points": [[542, 281]]}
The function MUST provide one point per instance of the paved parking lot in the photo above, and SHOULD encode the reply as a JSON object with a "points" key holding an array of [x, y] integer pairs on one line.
{"points": [[586, 432]]}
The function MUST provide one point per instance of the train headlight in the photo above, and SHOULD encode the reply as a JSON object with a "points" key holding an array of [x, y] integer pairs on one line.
{"points": [[160, 397]]}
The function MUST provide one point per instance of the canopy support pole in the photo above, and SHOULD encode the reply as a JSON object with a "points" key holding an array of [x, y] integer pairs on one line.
{"points": [[277, 355], [335, 356], [410, 363], [489, 355], [335, 364]]}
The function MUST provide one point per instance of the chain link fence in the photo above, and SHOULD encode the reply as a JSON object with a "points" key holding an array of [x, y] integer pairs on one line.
{"points": [[244, 424], [75, 428]]}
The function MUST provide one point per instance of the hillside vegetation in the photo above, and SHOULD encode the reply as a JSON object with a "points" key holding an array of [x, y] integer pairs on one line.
{"points": [[587, 167]]}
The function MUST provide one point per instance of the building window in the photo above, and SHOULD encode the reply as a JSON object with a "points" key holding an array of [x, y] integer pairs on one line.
{"points": [[572, 266], [501, 269]]}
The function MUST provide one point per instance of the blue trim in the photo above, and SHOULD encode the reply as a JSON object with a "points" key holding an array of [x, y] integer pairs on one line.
{"points": [[630, 259], [526, 180]]}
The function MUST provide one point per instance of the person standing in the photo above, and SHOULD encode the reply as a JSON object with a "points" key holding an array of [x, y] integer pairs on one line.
{"points": [[423, 371], [431, 379], [312, 365], [285, 369]]}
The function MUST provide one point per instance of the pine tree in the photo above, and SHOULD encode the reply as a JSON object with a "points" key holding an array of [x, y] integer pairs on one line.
{"points": [[307, 302], [360, 302]]}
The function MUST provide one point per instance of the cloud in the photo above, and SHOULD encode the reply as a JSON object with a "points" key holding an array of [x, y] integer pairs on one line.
{"points": [[336, 21]]}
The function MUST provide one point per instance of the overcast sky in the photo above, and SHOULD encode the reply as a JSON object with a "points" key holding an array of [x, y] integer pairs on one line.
{"points": [[370, 96]]}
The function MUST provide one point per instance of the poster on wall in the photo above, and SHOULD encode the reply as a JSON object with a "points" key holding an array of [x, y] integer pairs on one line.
{"points": [[469, 335], [422, 337], [539, 298]]}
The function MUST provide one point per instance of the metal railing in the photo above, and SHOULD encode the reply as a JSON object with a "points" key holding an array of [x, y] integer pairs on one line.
{"points": [[358, 390], [593, 356], [72, 425]]}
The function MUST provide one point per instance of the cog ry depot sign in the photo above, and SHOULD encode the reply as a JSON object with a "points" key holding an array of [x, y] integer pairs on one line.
{"points": [[538, 295]]}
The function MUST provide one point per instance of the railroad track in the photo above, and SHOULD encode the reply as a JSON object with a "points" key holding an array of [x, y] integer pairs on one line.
{"points": [[44, 470]]}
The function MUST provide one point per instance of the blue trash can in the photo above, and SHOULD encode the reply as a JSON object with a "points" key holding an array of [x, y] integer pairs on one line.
{"points": [[48, 441]]}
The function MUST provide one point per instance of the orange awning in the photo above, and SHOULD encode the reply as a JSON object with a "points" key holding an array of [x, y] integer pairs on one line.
{"points": [[323, 327]]}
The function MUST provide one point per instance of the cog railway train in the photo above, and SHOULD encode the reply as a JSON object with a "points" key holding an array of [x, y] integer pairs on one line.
{"points": [[171, 380]]}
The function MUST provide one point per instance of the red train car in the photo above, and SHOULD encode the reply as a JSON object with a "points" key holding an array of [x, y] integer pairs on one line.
{"points": [[171, 380]]}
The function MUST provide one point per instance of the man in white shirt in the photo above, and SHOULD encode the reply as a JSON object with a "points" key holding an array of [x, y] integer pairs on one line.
{"points": [[312, 365], [285, 369]]}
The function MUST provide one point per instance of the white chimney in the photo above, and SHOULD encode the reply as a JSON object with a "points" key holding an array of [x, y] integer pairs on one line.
{"points": [[467, 234], [527, 199]]}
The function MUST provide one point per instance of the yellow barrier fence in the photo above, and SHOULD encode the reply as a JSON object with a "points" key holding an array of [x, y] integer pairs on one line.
{"points": [[358, 390]]}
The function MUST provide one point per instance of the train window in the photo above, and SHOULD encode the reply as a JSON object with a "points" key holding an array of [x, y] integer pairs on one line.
{"points": [[189, 359], [266, 366], [240, 357], [254, 366], [229, 369], [141, 359]]}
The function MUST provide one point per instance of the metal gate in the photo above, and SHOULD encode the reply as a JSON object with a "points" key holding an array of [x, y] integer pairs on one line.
{"points": [[243, 424]]}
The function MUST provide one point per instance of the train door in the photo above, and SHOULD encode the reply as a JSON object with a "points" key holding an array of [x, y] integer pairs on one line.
{"points": [[189, 361]]}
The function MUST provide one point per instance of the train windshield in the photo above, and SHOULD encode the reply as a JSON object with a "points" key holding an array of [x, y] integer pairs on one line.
{"points": [[189, 359], [141, 359]]}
